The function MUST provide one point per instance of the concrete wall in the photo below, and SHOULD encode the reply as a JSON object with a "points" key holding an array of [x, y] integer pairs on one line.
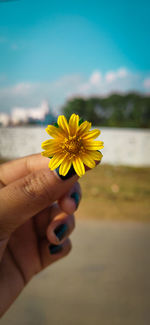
{"points": [[122, 146]]}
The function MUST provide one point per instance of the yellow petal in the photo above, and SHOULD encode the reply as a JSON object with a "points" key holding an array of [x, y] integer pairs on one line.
{"points": [[63, 124], [73, 124], [56, 161], [53, 131], [93, 145], [84, 127], [50, 148], [47, 153], [48, 144], [91, 135], [51, 151], [88, 160], [65, 166], [96, 155], [78, 166]]}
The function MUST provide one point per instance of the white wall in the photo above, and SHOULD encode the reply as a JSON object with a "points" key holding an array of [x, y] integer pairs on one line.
{"points": [[122, 146]]}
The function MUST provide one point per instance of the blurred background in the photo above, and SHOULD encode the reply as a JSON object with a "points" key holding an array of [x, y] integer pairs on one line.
{"points": [[90, 58]]}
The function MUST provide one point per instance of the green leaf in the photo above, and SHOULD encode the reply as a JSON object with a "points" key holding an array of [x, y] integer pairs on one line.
{"points": [[56, 124], [81, 121]]}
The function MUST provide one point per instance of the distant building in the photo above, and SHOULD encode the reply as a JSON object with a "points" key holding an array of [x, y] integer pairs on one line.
{"points": [[28, 116], [4, 119], [48, 119]]}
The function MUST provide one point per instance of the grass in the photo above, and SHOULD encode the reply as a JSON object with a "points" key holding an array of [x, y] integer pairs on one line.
{"points": [[116, 193]]}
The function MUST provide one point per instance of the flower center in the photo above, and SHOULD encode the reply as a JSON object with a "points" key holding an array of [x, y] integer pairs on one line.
{"points": [[73, 145]]}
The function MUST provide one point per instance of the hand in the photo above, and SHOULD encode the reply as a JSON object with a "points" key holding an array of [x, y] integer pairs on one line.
{"points": [[30, 218]]}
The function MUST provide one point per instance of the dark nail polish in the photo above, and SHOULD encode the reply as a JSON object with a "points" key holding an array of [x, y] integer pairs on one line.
{"points": [[76, 198], [54, 249], [61, 231], [70, 173]]}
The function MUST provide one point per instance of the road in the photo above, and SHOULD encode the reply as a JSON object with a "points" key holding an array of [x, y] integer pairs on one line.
{"points": [[105, 280]]}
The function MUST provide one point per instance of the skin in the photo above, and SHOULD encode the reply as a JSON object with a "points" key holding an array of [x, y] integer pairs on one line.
{"points": [[33, 202]]}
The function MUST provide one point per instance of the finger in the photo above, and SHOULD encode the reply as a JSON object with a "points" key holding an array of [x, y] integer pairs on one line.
{"points": [[27, 196], [15, 169], [52, 217], [50, 253], [33, 254], [70, 201], [44, 218], [60, 227], [68, 204]]}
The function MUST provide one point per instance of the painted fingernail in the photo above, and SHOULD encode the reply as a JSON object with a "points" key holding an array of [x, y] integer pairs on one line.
{"points": [[55, 249], [76, 197], [69, 174], [61, 231]]}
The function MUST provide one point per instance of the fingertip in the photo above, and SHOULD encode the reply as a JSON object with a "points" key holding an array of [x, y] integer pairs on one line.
{"points": [[68, 205]]}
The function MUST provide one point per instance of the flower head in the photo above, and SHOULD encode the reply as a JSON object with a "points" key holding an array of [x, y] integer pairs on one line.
{"points": [[72, 144]]}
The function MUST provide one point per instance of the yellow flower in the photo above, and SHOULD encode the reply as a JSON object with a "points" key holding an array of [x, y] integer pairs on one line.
{"points": [[72, 144]]}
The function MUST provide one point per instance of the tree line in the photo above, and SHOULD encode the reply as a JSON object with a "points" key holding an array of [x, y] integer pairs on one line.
{"points": [[116, 110]]}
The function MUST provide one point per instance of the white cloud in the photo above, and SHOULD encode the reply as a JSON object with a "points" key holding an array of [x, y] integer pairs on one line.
{"points": [[147, 83], [110, 76], [27, 94], [121, 80], [31, 94], [114, 75], [92, 83], [122, 72], [96, 78], [22, 88]]}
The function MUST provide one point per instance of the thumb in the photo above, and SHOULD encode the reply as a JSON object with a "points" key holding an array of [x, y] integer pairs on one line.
{"points": [[29, 195]]}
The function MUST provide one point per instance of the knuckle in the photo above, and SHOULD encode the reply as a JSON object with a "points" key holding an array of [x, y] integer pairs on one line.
{"points": [[36, 185]]}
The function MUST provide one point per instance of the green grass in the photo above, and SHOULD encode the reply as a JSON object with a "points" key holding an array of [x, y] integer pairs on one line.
{"points": [[118, 193]]}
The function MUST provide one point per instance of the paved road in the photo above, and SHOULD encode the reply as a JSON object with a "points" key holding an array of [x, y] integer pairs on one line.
{"points": [[105, 280]]}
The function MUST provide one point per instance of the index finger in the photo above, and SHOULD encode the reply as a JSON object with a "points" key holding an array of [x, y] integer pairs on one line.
{"points": [[27, 196], [15, 169]]}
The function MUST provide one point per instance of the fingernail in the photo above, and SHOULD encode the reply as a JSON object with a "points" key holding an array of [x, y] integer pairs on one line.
{"points": [[69, 174], [61, 231], [76, 197], [54, 249]]}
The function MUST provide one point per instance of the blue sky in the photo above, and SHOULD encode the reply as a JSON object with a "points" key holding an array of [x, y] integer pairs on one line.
{"points": [[55, 49]]}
